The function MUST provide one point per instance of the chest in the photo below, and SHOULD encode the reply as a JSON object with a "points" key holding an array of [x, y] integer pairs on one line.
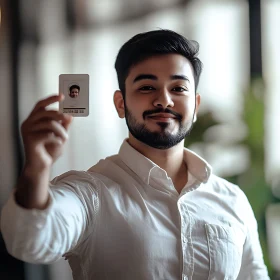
{"points": [[167, 238]]}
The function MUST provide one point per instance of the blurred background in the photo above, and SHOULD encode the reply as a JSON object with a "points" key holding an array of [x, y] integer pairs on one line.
{"points": [[238, 127]]}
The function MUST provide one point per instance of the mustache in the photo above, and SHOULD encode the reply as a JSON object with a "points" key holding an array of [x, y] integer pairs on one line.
{"points": [[160, 110]]}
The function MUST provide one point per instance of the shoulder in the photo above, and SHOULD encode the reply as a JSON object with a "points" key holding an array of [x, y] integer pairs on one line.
{"points": [[104, 164], [110, 169], [228, 192], [92, 178], [226, 188], [82, 183], [223, 186], [88, 176], [72, 177]]}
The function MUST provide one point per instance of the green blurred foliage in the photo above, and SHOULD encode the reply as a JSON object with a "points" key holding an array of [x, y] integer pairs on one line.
{"points": [[251, 181]]}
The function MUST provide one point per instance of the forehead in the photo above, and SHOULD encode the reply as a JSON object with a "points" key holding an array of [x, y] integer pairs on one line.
{"points": [[163, 66]]}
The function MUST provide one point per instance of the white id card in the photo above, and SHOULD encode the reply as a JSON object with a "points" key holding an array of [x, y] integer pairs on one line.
{"points": [[75, 88]]}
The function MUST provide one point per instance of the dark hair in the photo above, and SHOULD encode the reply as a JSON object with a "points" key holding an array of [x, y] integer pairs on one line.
{"points": [[74, 86], [152, 43]]}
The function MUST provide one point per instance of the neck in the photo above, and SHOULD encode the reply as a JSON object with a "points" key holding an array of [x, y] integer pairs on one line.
{"points": [[171, 160]]}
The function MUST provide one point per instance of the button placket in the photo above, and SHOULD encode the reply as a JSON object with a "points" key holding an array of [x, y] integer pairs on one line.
{"points": [[187, 247]]}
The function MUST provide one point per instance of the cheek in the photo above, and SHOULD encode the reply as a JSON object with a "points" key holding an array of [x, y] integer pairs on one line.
{"points": [[186, 108], [137, 105]]}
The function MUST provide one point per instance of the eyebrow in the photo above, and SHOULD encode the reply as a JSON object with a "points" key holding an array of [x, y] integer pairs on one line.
{"points": [[155, 78], [180, 77], [145, 77]]}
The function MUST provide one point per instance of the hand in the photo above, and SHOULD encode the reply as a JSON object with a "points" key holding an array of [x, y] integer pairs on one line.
{"points": [[44, 134]]}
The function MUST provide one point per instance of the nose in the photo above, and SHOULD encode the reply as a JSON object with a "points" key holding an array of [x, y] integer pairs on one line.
{"points": [[163, 99]]}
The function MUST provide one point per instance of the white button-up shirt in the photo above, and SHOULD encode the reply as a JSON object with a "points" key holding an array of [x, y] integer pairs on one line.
{"points": [[123, 219]]}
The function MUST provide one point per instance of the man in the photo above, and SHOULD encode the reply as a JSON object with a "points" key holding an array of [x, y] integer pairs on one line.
{"points": [[74, 91], [153, 211]]}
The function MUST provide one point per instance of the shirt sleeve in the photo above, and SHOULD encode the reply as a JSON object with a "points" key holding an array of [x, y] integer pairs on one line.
{"points": [[44, 236], [253, 266]]}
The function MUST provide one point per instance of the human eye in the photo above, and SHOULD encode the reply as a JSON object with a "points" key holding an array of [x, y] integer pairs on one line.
{"points": [[180, 89], [146, 88]]}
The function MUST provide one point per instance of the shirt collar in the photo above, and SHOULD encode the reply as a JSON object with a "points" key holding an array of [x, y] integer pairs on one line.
{"points": [[143, 166]]}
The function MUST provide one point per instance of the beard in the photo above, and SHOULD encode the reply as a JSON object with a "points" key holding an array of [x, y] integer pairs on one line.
{"points": [[158, 139]]}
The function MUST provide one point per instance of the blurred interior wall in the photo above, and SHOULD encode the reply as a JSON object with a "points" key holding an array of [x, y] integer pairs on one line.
{"points": [[7, 139], [10, 268]]}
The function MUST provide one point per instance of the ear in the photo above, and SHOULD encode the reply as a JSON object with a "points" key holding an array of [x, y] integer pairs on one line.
{"points": [[197, 103], [119, 103]]}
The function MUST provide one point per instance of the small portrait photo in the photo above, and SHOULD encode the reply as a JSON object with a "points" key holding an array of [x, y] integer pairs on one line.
{"points": [[74, 91]]}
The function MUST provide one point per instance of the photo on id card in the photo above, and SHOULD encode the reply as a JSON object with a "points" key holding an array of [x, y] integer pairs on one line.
{"points": [[75, 88]]}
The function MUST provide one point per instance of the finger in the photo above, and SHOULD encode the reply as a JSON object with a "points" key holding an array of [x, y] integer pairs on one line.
{"points": [[50, 126], [48, 137], [43, 116], [47, 115], [66, 123], [42, 104]]}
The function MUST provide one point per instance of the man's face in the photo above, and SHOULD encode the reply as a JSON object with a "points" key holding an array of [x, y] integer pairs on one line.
{"points": [[74, 93], [160, 102]]}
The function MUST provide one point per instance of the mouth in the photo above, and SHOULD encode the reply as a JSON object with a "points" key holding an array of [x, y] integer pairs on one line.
{"points": [[162, 117]]}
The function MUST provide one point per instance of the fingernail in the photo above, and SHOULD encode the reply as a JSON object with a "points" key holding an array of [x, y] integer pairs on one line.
{"points": [[68, 116]]}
